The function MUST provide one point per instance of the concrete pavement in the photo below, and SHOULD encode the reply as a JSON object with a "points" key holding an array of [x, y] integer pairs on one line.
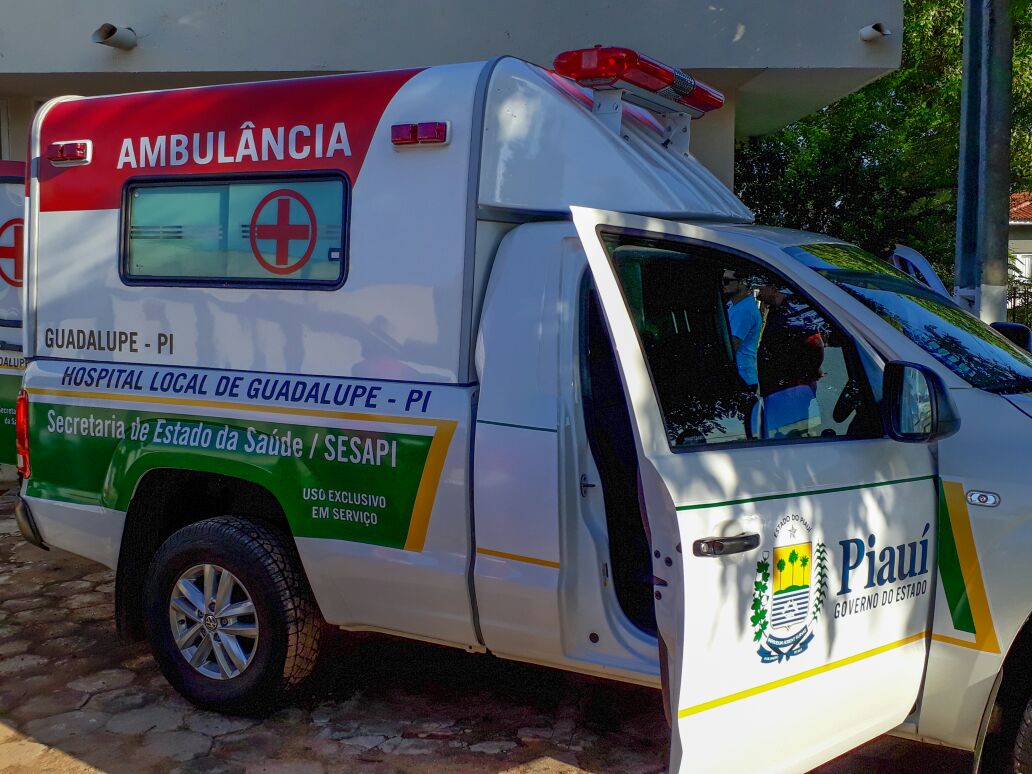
{"points": [[73, 700]]}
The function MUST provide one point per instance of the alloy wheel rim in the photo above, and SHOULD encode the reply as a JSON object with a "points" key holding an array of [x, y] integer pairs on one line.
{"points": [[213, 620]]}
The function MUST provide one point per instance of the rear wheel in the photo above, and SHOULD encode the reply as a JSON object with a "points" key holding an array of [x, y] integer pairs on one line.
{"points": [[229, 615]]}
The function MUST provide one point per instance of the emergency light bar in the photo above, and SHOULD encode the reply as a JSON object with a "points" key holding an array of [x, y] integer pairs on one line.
{"points": [[648, 83]]}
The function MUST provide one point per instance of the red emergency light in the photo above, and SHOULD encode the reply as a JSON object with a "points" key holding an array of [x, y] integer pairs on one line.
{"points": [[74, 152], [614, 67], [21, 434], [427, 133]]}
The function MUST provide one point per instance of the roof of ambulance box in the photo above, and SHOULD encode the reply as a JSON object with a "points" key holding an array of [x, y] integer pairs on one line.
{"points": [[319, 123], [545, 149], [531, 133]]}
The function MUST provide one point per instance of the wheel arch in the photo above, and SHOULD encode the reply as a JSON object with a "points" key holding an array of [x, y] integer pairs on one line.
{"points": [[129, 467], [162, 499], [1010, 693]]}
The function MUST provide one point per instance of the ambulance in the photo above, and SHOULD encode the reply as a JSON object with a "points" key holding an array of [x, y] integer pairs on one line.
{"points": [[12, 364], [447, 354]]}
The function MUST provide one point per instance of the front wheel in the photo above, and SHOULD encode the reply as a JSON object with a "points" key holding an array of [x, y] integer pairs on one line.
{"points": [[229, 615], [1021, 755]]}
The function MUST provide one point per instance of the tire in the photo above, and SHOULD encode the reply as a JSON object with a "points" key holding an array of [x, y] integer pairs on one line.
{"points": [[1021, 755], [275, 647]]}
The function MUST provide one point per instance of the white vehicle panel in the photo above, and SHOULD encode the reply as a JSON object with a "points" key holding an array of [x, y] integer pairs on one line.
{"points": [[87, 530], [952, 708], [544, 150], [545, 600], [982, 600], [517, 344], [399, 315], [517, 570], [386, 589], [513, 516]]}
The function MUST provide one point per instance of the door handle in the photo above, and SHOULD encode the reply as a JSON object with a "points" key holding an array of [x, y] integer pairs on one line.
{"points": [[723, 546]]}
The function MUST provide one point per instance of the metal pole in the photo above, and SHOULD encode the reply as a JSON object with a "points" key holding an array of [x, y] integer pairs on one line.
{"points": [[995, 167], [966, 266], [984, 173]]}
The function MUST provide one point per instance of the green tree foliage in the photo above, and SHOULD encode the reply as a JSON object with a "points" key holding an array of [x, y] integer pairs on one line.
{"points": [[880, 165]]}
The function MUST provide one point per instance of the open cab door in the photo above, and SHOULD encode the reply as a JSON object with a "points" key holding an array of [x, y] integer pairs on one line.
{"points": [[793, 555]]}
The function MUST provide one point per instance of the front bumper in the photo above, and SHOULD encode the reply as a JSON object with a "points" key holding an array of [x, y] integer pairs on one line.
{"points": [[27, 525]]}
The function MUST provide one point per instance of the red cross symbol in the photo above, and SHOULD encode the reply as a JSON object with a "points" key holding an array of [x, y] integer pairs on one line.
{"points": [[283, 232], [12, 252]]}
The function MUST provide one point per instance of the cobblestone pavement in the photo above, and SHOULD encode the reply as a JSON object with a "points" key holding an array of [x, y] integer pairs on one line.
{"points": [[73, 700]]}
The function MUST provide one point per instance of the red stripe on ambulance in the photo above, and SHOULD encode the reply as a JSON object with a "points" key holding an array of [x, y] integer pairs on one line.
{"points": [[321, 123]]}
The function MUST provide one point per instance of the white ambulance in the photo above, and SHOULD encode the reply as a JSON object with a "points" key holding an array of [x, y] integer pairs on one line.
{"points": [[480, 355], [12, 364]]}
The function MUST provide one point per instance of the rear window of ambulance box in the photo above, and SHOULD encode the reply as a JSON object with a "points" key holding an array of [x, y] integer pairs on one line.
{"points": [[12, 201], [248, 233]]}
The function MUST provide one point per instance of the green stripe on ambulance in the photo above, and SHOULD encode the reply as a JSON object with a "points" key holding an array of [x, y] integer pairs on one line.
{"points": [[333, 482]]}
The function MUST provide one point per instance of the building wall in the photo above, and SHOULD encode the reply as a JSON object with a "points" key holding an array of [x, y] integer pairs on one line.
{"points": [[269, 35], [1019, 242], [775, 61], [1019, 238], [713, 140], [19, 113]]}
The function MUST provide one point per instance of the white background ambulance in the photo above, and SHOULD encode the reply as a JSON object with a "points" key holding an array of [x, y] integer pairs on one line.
{"points": [[12, 364], [446, 353]]}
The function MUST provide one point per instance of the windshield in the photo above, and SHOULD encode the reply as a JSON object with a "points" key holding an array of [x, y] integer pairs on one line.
{"points": [[954, 337]]}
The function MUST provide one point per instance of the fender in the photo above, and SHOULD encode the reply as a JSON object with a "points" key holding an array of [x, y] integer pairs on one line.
{"points": [[1011, 689], [130, 463], [981, 628]]}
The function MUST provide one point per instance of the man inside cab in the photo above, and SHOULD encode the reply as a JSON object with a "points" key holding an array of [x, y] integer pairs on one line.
{"points": [[743, 316]]}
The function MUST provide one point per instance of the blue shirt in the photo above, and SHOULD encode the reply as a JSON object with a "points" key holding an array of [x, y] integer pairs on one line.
{"points": [[745, 320]]}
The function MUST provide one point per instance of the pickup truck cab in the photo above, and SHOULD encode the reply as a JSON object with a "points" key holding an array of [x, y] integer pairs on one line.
{"points": [[481, 355]]}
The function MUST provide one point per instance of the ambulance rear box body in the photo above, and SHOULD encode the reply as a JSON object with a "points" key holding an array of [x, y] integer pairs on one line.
{"points": [[12, 364], [448, 354]]}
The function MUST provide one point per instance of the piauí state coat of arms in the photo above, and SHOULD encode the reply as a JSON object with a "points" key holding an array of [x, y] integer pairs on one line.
{"points": [[789, 591]]}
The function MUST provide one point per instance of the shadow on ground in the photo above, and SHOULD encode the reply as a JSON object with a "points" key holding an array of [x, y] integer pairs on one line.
{"points": [[73, 700]]}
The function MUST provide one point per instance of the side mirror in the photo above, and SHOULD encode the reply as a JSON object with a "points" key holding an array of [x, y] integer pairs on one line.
{"points": [[1016, 333], [918, 406]]}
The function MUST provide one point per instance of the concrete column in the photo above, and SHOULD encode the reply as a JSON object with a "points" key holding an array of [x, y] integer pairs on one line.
{"points": [[20, 111], [713, 141], [982, 201]]}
